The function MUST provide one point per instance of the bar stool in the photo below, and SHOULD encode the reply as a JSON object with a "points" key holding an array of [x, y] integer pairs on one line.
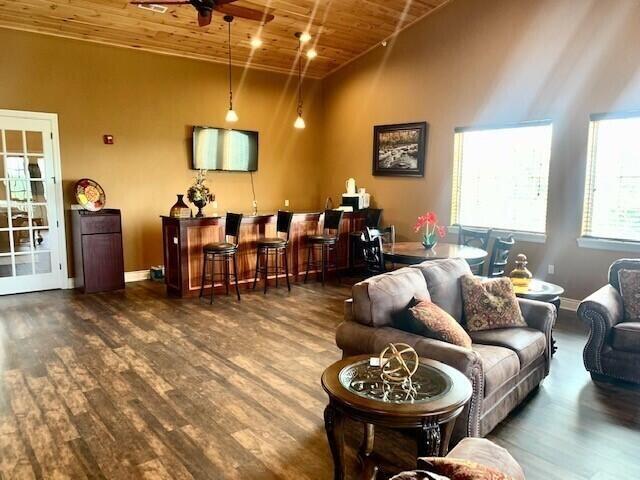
{"points": [[371, 220], [327, 242], [223, 252], [278, 245]]}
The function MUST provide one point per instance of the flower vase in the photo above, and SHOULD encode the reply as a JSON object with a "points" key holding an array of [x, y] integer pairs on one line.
{"points": [[180, 209], [429, 241], [200, 204]]}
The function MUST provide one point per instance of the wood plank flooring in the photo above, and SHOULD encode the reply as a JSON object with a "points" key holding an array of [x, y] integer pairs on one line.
{"points": [[136, 385]]}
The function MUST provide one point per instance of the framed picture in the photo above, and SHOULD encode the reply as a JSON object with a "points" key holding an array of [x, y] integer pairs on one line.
{"points": [[400, 150]]}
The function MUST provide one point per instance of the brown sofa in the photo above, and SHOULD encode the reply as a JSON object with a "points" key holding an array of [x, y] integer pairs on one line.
{"points": [[613, 348], [477, 450], [504, 365]]}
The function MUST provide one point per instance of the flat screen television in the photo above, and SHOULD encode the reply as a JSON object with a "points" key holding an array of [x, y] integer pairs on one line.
{"points": [[224, 149]]}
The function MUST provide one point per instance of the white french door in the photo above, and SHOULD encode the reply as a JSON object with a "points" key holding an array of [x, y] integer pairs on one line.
{"points": [[31, 230]]}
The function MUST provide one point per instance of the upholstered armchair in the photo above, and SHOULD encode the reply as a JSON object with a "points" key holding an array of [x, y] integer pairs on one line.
{"points": [[613, 348]]}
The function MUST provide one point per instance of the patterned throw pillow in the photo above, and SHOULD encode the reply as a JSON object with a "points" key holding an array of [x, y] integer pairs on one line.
{"points": [[490, 304], [418, 475], [429, 320], [458, 469], [630, 290]]}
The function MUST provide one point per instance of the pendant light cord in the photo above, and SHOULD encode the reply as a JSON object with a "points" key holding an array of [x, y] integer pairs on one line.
{"points": [[230, 78], [299, 77]]}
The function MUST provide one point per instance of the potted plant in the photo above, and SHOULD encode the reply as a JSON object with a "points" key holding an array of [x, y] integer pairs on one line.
{"points": [[199, 194], [432, 231]]}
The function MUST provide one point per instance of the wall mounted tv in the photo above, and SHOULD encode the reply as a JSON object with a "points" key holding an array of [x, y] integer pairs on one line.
{"points": [[224, 149]]}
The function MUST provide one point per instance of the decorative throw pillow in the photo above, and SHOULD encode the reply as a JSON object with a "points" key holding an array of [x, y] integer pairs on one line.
{"points": [[429, 320], [490, 304], [458, 469], [630, 290]]}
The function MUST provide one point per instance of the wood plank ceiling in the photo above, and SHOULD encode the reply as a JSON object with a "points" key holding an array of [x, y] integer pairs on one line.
{"points": [[341, 29]]}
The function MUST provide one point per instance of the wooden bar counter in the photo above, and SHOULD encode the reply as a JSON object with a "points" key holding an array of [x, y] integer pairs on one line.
{"points": [[184, 238]]}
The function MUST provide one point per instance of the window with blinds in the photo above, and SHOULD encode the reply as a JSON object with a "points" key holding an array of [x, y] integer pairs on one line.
{"points": [[501, 177], [612, 190]]}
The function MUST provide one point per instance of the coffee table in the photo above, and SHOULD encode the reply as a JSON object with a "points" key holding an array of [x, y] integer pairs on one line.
{"points": [[356, 391]]}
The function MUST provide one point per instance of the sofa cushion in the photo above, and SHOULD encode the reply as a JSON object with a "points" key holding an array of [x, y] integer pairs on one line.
{"points": [[499, 364], [527, 343], [626, 337], [443, 283], [429, 320], [490, 304], [630, 291], [380, 299]]}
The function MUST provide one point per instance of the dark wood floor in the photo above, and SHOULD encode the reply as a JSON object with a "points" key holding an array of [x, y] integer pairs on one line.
{"points": [[136, 385]]}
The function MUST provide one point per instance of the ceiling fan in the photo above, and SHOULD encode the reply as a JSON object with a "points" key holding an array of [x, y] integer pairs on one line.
{"points": [[205, 9]]}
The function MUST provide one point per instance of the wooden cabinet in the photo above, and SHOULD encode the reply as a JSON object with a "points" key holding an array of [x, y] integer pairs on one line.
{"points": [[97, 250]]}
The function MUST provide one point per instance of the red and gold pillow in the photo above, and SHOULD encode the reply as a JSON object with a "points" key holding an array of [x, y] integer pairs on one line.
{"points": [[429, 320], [490, 304], [458, 469], [630, 290]]}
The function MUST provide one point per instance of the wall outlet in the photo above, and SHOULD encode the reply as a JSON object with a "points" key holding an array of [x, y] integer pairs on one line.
{"points": [[551, 269], [286, 203]]}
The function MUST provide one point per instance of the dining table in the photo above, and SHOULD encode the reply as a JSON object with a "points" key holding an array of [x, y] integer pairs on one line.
{"points": [[411, 253]]}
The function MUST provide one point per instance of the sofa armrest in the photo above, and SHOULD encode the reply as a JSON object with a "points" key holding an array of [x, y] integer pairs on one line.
{"points": [[540, 316], [354, 339], [601, 310], [348, 310]]}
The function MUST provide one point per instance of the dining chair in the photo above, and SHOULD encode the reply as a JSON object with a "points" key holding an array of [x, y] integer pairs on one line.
{"points": [[371, 220], [277, 245], [371, 242], [224, 252], [500, 256], [475, 237]]}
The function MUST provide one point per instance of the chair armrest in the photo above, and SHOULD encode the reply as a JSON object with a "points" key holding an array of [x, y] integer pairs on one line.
{"points": [[604, 306], [601, 310]]}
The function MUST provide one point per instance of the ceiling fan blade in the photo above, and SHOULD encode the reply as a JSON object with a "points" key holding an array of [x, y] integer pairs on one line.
{"points": [[162, 3], [203, 19], [243, 12]]}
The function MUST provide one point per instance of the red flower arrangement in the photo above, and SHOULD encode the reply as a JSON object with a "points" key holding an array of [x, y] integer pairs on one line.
{"points": [[429, 221]]}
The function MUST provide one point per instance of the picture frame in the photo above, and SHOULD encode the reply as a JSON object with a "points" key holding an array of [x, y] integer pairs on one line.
{"points": [[400, 150]]}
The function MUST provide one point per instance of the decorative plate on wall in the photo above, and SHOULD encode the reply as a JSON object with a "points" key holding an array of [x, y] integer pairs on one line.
{"points": [[90, 195]]}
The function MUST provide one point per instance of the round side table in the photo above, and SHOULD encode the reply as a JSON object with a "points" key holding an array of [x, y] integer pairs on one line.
{"points": [[356, 391]]}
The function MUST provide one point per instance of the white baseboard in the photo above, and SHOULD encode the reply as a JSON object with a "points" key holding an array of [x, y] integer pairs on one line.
{"points": [[569, 304], [135, 276]]}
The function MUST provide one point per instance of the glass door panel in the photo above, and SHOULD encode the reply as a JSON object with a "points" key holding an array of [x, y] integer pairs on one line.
{"points": [[29, 237]]}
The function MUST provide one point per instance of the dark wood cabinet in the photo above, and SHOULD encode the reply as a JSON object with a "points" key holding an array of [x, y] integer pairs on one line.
{"points": [[97, 250]]}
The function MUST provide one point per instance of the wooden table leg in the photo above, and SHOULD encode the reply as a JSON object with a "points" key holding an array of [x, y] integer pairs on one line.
{"points": [[429, 439], [445, 433], [369, 468], [333, 424]]}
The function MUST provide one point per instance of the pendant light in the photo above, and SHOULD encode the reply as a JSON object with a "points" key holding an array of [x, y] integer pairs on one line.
{"points": [[232, 116], [299, 123]]}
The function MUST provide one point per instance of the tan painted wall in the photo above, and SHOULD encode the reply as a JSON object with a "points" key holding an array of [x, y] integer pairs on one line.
{"points": [[485, 62], [149, 102]]}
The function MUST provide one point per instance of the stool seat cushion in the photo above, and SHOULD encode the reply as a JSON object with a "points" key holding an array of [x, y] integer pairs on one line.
{"points": [[272, 242], [220, 247], [327, 239]]}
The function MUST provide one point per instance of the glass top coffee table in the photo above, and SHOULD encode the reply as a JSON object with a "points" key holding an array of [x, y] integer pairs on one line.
{"points": [[429, 403]]}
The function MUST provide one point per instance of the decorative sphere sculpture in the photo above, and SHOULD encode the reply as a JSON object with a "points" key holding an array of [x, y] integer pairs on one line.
{"points": [[399, 362]]}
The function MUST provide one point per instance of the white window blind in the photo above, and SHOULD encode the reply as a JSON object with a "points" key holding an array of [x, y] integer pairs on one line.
{"points": [[612, 190], [501, 176]]}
